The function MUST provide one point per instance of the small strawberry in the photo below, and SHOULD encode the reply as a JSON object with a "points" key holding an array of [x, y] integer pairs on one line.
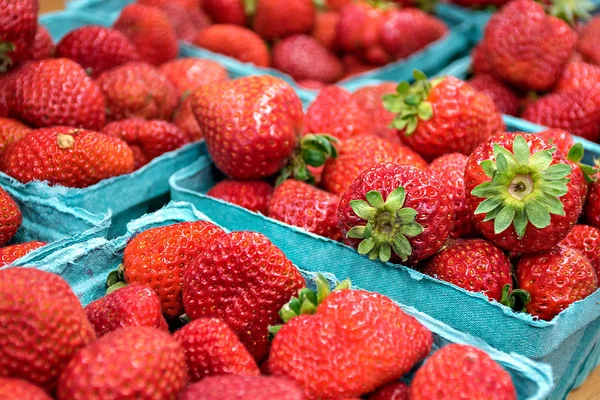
{"points": [[558, 138], [480, 63], [18, 25], [392, 391], [43, 46], [186, 121], [555, 279], [355, 66], [11, 131], [585, 239], [18, 389], [67, 157], [232, 387], [56, 92], [137, 89], [188, 74], [159, 257], [396, 212], [371, 100], [150, 31], [325, 29], [134, 362], [186, 19], [10, 254], [237, 271], [588, 44], [225, 11], [303, 57], [303, 205], [524, 194], [43, 305], [97, 49], [235, 41], [503, 97], [311, 84], [251, 195], [274, 19], [10, 217], [592, 205], [211, 348], [578, 74], [131, 305], [461, 372], [443, 115]]}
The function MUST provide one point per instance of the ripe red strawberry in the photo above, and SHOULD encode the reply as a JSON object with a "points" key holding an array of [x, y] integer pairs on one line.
{"points": [[588, 44], [578, 74], [303, 205], [303, 57], [235, 41], [370, 99], [10, 131], [187, 18], [43, 46], [137, 89], [521, 38], [135, 362], [10, 217], [337, 4], [237, 271], [555, 279], [131, 305], [67, 157], [18, 25], [534, 198], [503, 97], [585, 239], [225, 11], [186, 121], [480, 63], [275, 19], [10, 254], [211, 348], [18, 389], [4, 79], [232, 387], [337, 113], [361, 152], [592, 205], [150, 31], [251, 195], [159, 257], [449, 170], [188, 5], [56, 92], [373, 340], [255, 138], [97, 49], [393, 391], [459, 371], [407, 211], [443, 115], [188, 74], [325, 29], [576, 111], [152, 138], [53, 319], [311, 84], [355, 66], [558, 138]]}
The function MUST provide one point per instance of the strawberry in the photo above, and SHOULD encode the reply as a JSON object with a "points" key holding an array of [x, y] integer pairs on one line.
{"points": [[360, 153], [18, 25], [159, 257], [131, 305], [56, 92], [303, 57], [373, 340], [303, 205], [585, 239], [251, 195], [393, 391], [503, 97], [480, 63], [67, 157], [152, 138], [188, 74], [186, 18], [475, 265], [10, 254], [578, 74], [371, 100], [555, 279], [235, 41], [396, 212], [576, 111], [188, 5], [150, 31], [588, 44], [337, 4], [237, 271], [225, 11], [355, 66], [449, 170], [186, 121], [10, 217], [53, 318], [534, 198], [592, 205], [337, 113], [460, 371], [558, 138], [325, 29], [97, 49], [527, 48], [480, 3], [232, 387], [18, 389], [433, 114], [11, 131], [274, 19], [137, 89], [211, 348], [4, 80], [133, 362], [43, 46]]}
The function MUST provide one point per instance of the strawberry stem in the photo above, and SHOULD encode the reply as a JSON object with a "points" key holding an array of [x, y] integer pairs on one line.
{"points": [[515, 299], [5, 61]]}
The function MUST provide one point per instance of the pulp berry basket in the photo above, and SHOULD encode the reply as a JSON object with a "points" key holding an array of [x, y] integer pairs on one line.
{"points": [[86, 264]]}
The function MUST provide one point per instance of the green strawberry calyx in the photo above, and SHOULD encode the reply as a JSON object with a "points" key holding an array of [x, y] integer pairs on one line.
{"points": [[250, 7], [524, 188], [5, 60], [516, 299], [576, 153], [389, 224], [382, 4], [571, 11], [116, 279]]}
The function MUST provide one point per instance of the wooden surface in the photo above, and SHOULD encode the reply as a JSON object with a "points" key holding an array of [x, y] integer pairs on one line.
{"points": [[589, 391]]}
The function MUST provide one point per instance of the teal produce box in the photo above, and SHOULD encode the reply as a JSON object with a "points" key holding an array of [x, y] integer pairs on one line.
{"points": [[86, 264]]}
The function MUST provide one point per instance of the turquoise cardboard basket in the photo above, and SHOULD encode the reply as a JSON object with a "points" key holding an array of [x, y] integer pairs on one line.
{"points": [[570, 343], [86, 264]]}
